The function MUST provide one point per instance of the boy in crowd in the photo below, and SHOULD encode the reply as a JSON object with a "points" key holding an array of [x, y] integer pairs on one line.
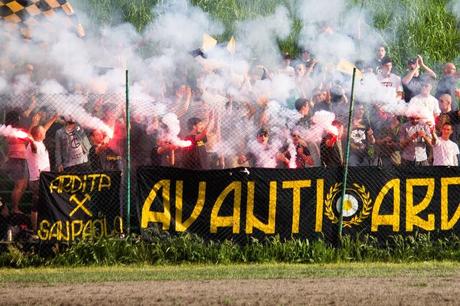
{"points": [[445, 151]]}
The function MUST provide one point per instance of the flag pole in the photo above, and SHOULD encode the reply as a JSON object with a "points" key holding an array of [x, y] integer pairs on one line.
{"points": [[347, 154]]}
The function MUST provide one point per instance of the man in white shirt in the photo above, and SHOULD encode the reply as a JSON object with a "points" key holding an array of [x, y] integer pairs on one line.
{"points": [[425, 100], [445, 151], [389, 79], [414, 138], [37, 161]]}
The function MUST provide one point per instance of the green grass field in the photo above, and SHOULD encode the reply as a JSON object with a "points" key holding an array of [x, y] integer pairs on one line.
{"points": [[220, 272]]}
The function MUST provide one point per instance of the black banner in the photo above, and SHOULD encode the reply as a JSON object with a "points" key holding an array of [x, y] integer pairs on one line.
{"points": [[79, 205], [300, 203]]}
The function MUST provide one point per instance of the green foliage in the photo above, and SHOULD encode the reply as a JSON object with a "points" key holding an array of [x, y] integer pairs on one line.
{"points": [[417, 27], [14, 257], [409, 27], [190, 248]]}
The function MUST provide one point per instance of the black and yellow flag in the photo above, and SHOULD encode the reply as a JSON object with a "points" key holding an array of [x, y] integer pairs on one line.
{"points": [[27, 14]]}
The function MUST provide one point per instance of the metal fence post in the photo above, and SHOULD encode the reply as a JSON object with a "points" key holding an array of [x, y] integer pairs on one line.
{"points": [[128, 158], [347, 154]]}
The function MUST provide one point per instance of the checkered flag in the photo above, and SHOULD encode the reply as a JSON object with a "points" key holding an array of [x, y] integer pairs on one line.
{"points": [[27, 14]]}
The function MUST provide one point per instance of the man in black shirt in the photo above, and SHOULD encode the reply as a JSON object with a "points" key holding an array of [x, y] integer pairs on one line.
{"points": [[195, 156]]}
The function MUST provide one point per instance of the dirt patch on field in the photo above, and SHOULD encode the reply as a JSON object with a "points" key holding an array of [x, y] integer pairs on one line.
{"points": [[317, 291]]}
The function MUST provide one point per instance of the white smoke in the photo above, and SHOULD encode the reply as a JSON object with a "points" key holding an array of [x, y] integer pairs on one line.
{"points": [[9, 131], [173, 124], [321, 124], [2, 85], [258, 37], [454, 6], [421, 112], [56, 96]]}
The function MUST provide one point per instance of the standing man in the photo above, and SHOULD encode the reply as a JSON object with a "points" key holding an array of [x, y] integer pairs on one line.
{"points": [[448, 116], [425, 100], [389, 79], [445, 151], [412, 82], [195, 156], [331, 147], [37, 161], [72, 147], [447, 84], [414, 137]]}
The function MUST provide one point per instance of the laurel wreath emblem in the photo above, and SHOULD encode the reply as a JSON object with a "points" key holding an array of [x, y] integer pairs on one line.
{"points": [[357, 219]]}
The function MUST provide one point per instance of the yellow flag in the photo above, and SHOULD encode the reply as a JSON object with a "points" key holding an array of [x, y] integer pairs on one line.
{"points": [[231, 46], [208, 42], [346, 67]]}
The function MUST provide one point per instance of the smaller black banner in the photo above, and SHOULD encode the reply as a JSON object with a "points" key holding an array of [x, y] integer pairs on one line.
{"points": [[79, 205]]}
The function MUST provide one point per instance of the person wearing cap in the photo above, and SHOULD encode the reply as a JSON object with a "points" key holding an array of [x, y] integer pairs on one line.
{"points": [[262, 154], [303, 157], [425, 100], [445, 151], [389, 79], [71, 147], [412, 81], [414, 136]]}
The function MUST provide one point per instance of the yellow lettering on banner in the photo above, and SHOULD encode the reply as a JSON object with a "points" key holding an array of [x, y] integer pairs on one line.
{"points": [[98, 233], [93, 180], [80, 204], [182, 226], [296, 186], [394, 218], [447, 224], [55, 231], [43, 230], [118, 223], [87, 230], [228, 221], [70, 230], [162, 217], [54, 185], [73, 188], [75, 232], [412, 210], [251, 220], [104, 182], [319, 205], [65, 234], [74, 183]]}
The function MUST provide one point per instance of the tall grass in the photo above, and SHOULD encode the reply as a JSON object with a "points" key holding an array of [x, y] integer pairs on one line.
{"points": [[189, 248], [410, 27], [417, 27]]}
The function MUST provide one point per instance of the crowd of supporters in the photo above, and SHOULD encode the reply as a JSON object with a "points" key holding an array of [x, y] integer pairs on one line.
{"points": [[243, 130]]}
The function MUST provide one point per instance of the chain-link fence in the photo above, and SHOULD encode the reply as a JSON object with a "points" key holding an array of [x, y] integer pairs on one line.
{"points": [[71, 168]]}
